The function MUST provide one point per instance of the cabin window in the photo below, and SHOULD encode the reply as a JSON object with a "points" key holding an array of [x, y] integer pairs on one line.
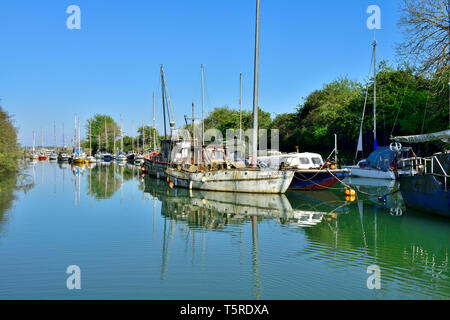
{"points": [[317, 161], [304, 160]]}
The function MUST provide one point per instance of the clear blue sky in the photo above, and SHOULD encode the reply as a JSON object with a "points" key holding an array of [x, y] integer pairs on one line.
{"points": [[50, 73]]}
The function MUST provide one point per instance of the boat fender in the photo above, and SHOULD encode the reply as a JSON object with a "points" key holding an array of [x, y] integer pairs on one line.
{"points": [[203, 179]]}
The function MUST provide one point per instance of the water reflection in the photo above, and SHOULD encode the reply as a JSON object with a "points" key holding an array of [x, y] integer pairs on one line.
{"points": [[300, 245], [413, 248], [12, 182]]}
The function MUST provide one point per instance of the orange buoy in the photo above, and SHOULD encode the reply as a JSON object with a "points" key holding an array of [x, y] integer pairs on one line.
{"points": [[332, 167], [171, 184], [350, 192], [350, 198]]}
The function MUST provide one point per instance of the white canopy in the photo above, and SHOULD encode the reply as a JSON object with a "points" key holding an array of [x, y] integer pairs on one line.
{"points": [[441, 135]]}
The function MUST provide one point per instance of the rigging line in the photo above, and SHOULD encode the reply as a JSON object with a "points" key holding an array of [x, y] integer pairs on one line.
{"points": [[425, 112], [365, 99], [399, 108]]}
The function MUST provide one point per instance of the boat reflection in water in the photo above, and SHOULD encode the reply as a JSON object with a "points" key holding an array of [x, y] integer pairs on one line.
{"points": [[182, 244], [213, 209], [337, 232]]}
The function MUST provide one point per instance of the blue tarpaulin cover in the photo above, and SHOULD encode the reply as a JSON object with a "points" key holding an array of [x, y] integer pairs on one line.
{"points": [[381, 159]]}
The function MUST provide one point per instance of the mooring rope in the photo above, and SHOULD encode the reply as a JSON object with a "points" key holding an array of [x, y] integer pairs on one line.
{"points": [[363, 192]]}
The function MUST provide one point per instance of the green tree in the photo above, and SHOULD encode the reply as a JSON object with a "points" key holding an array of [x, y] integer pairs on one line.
{"points": [[98, 133], [9, 149], [223, 118], [149, 134]]}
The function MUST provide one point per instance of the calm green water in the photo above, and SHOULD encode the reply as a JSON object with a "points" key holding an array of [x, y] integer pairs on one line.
{"points": [[134, 238]]}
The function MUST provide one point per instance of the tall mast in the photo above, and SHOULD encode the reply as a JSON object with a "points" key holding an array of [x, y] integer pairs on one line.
{"points": [[54, 135], [90, 138], [75, 133], [63, 136], [164, 106], [193, 133], [154, 124], [375, 146], [79, 136], [255, 92], [137, 144], [34, 141], [240, 106], [203, 111], [106, 138], [143, 135], [114, 138], [132, 137], [121, 135]]}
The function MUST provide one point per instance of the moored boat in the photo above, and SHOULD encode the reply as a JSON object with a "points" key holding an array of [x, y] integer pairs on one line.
{"points": [[311, 172], [63, 156], [427, 186], [253, 180]]}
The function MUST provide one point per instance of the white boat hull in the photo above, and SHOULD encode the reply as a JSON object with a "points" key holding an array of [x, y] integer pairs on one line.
{"points": [[370, 173], [374, 173], [233, 180]]}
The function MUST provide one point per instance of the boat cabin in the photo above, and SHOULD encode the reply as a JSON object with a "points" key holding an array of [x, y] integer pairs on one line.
{"points": [[302, 160]]}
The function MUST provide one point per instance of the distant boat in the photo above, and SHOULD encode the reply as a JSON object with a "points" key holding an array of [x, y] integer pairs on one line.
{"points": [[33, 155], [139, 159], [78, 156], [427, 186], [53, 156], [131, 155], [121, 158], [106, 157], [63, 156], [90, 158], [311, 173]]}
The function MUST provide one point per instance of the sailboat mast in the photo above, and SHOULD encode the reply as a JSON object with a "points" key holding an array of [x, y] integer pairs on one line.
{"points": [[375, 146], [203, 111], [106, 138], [121, 135], [164, 106], [42, 138], [79, 136], [63, 135], [255, 92], [132, 138], [143, 135], [75, 133], [240, 106], [154, 124], [34, 141], [90, 138], [54, 135]]}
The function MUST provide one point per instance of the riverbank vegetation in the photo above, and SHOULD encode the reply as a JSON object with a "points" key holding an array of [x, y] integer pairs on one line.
{"points": [[9, 150]]}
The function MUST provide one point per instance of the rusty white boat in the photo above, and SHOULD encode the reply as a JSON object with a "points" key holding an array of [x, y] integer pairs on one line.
{"points": [[254, 180]]}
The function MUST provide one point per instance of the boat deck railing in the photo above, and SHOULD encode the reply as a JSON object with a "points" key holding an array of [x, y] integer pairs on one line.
{"points": [[428, 165]]}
